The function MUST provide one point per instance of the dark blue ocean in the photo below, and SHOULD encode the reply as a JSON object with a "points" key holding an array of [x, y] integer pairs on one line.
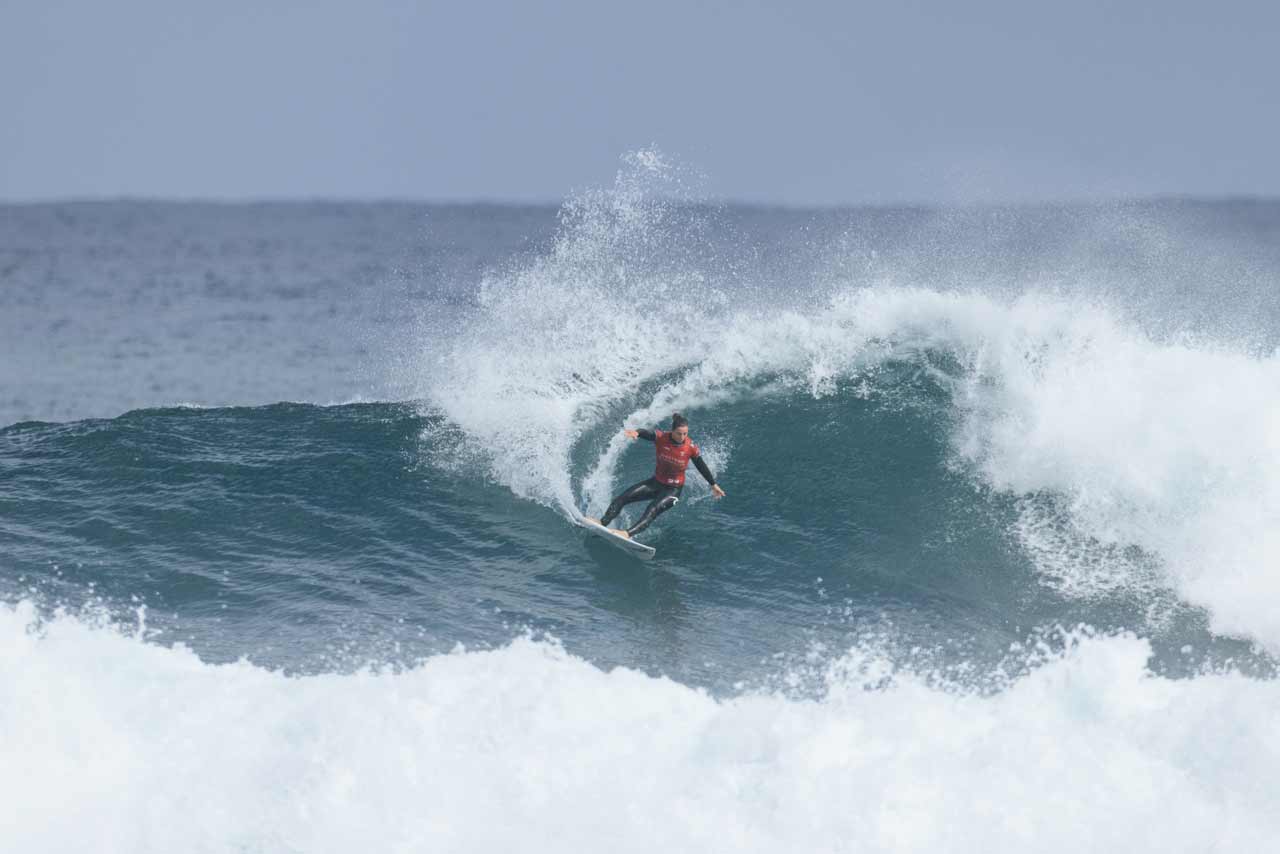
{"points": [[288, 562]]}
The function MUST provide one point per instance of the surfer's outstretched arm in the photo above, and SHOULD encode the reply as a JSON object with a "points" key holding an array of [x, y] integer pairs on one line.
{"points": [[703, 469], [647, 435]]}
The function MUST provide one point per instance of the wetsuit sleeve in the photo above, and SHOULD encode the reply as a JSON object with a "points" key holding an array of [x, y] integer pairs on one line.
{"points": [[704, 470], [647, 435]]}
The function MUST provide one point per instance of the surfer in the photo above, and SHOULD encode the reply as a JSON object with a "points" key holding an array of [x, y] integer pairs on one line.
{"points": [[675, 451]]}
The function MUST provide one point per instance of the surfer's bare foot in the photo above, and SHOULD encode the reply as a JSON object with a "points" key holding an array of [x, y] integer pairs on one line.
{"points": [[620, 533]]}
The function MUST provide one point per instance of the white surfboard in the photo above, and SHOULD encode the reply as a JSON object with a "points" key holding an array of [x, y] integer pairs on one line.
{"points": [[631, 547]]}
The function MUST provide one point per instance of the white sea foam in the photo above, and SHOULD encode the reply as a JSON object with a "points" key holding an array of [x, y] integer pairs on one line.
{"points": [[109, 743]]}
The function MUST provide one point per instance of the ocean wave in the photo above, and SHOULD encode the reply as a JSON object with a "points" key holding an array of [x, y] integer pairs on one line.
{"points": [[1168, 448], [1139, 462]]}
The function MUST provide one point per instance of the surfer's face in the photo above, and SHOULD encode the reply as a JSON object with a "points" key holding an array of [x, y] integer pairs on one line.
{"points": [[680, 434]]}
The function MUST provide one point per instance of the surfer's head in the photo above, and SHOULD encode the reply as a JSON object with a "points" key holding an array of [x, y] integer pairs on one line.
{"points": [[679, 427]]}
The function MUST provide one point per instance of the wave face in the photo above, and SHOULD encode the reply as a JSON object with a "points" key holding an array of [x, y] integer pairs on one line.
{"points": [[996, 562]]}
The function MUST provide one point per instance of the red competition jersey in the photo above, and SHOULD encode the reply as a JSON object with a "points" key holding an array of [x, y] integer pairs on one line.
{"points": [[673, 459]]}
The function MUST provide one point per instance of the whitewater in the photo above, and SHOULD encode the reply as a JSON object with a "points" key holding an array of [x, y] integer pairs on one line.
{"points": [[148, 748], [287, 562]]}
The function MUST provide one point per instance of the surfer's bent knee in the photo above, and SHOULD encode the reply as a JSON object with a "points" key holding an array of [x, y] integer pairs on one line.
{"points": [[657, 508]]}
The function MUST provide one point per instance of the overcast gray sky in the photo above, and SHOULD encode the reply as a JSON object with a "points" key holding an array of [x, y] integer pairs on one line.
{"points": [[793, 102]]}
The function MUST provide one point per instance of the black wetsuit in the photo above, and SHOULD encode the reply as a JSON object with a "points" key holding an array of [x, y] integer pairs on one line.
{"points": [[661, 496]]}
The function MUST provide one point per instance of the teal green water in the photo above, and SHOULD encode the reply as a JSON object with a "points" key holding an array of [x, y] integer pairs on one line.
{"points": [[319, 537], [288, 559]]}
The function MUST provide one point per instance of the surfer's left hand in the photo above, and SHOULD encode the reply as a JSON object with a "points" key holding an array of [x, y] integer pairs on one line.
{"points": [[717, 491]]}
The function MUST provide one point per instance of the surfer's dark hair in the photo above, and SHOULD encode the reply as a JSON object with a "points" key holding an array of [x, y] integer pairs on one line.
{"points": [[678, 420]]}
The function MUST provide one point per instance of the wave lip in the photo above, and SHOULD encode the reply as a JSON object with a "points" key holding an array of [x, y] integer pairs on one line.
{"points": [[528, 746]]}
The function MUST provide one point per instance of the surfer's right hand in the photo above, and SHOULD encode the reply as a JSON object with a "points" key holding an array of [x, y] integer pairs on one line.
{"points": [[631, 434]]}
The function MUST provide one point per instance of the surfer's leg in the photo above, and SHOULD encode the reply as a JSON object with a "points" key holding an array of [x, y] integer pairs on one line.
{"points": [[642, 491], [664, 502]]}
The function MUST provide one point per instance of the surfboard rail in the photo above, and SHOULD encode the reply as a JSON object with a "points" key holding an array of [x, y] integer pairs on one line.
{"points": [[631, 547]]}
